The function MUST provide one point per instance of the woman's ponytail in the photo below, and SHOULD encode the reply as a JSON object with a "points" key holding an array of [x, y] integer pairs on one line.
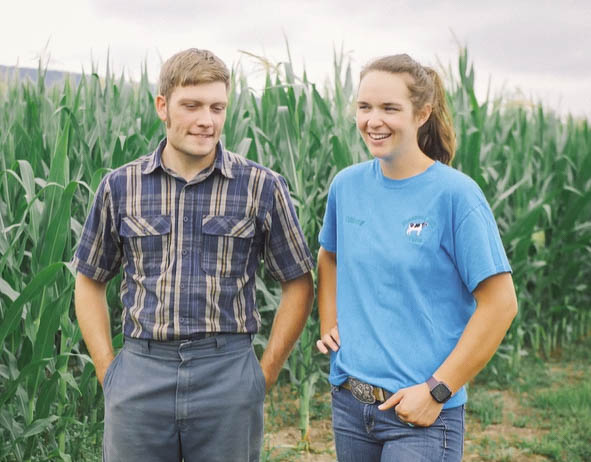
{"points": [[436, 137]]}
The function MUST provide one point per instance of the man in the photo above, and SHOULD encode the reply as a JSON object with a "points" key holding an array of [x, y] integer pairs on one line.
{"points": [[189, 223]]}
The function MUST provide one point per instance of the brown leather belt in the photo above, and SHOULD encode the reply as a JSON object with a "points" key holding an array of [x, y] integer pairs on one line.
{"points": [[365, 392]]}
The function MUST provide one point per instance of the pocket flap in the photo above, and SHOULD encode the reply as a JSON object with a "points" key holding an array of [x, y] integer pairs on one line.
{"points": [[228, 226], [133, 226]]}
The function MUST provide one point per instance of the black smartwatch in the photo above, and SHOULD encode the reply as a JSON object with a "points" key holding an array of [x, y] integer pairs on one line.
{"points": [[439, 390]]}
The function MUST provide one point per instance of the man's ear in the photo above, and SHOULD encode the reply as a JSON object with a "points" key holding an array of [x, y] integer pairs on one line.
{"points": [[161, 107]]}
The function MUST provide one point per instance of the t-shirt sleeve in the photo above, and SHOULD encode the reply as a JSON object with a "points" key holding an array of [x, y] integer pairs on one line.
{"points": [[328, 233], [478, 247], [286, 252], [98, 255]]}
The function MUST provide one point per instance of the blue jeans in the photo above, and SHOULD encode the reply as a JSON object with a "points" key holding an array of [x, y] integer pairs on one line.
{"points": [[363, 433], [198, 400]]}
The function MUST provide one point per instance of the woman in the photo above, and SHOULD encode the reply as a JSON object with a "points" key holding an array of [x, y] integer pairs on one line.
{"points": [[415, 292]]}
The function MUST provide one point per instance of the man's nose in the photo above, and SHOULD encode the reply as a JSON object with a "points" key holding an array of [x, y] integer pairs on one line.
{"points": [[204, 118]]}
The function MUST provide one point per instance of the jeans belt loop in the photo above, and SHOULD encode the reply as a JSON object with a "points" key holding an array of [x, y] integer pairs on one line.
{"points": [[220, 341]]}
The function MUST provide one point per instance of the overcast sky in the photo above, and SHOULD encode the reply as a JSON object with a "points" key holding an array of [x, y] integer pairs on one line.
{"points": [[541, 47]]}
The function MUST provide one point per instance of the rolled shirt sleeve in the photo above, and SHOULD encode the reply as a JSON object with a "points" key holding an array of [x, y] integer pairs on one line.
{"points": [[98, 255], [286, 252]]}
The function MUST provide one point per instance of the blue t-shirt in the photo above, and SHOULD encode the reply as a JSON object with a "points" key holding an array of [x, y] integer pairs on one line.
{"points": [[409, 254]]}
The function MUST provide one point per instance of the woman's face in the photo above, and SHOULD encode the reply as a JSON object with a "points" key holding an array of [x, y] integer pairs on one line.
{"points": [[385, 115]]}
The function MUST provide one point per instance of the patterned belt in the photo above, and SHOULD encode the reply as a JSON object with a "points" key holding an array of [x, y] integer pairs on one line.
{"points": [[365, 392]]}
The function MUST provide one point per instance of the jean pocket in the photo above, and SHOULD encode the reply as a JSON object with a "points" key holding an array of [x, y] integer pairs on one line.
{"points": [[226, 244], [108, 378], [258, 373]]}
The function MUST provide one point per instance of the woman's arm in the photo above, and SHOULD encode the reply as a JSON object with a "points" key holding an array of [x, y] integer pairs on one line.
{"points": [[496, 307], [327, 301]]}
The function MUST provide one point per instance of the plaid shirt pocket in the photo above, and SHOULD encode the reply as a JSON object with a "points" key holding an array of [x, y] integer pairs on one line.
{"points": [[226, 244], [146, 240]]}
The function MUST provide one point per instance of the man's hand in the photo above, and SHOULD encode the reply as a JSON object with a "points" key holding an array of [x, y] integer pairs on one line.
{"points": [[414, 405], [93, 318], [270, 377], [100, 368], [330, 340]]}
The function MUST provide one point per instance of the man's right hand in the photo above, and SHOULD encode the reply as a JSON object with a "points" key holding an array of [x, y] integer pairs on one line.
{"points": [[90, 297], [329, 340]]}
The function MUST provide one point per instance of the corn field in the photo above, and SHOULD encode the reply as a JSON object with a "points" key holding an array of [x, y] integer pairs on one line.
{"points": [[56, 143]]}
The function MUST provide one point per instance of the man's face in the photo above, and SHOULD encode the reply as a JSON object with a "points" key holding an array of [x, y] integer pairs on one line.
{"points": [[194, 117]]}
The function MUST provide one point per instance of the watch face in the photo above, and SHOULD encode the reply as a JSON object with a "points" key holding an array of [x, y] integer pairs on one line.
{"points": [[441, 393]]}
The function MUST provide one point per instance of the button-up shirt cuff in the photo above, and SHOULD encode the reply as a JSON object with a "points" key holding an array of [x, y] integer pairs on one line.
{"points": [[93, 272], [294, 271]]}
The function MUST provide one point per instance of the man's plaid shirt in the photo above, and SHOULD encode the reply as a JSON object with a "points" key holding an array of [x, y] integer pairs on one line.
{"points": [[190, 250]]}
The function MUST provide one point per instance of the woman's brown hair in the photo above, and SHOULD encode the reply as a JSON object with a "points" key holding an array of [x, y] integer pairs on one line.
{"points": [[436, 137]]}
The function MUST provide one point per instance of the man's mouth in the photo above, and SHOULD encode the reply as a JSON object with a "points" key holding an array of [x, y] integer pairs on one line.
{"points": [[379, 136]]}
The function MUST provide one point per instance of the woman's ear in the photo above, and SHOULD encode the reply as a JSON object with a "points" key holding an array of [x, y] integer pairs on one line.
{"points": [[424, 114]]}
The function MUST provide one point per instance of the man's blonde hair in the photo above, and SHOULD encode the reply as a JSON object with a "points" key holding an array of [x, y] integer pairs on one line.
{"points": [[191, 67]]}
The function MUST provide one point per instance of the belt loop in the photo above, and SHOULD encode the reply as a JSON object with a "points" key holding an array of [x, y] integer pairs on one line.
{"points": [[220, 341], [149, 346]]}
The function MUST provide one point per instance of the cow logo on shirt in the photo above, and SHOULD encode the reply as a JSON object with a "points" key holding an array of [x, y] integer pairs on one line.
{"points": [[418, 228]]}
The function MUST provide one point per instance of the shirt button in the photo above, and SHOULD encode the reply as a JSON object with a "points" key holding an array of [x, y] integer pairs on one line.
{"points": [[182, 285], [184, 251], [185, 219]]}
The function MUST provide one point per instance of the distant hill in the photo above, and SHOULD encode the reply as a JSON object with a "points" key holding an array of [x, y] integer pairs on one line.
{"points": [[51, 77]]}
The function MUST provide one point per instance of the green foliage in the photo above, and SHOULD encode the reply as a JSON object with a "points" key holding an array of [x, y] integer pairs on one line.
{"points": [[56, 144], [548, 405], [486, 407], [564, 409], [568, 410]]}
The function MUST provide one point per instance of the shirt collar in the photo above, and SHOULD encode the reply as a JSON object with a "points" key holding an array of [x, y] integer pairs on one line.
{"points": [[154, 159], [222, 161]]}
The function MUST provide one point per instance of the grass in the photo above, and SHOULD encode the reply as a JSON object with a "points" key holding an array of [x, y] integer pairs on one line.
{"points": [[486, 407], [552, 419]]}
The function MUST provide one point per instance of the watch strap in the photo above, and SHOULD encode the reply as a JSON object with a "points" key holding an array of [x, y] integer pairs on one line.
{"points": [[432, 382]]}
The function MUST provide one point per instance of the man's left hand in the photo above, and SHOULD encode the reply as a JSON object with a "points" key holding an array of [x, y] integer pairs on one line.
{"points": [[271, 376], [414, 405]]}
